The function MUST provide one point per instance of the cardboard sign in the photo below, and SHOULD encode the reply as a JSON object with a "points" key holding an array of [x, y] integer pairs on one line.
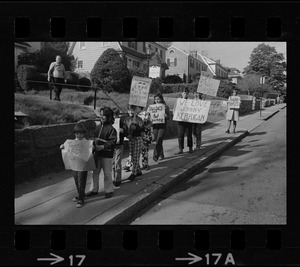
{"points": [[139, 91], [157, 112], [234, 102], [77, 155], [154, 72], [207, 85], [191, 110], [116, 125]]}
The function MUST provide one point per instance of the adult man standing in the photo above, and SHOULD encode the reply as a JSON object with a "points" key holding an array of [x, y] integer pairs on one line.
{"points": [[58, 74]]}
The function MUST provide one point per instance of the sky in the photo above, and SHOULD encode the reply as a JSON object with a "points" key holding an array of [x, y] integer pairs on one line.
{"points": [[231, 54]]}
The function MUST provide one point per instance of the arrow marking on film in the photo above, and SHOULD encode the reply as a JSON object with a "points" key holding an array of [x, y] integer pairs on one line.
{"points": [[55, 260], [193, 260]]}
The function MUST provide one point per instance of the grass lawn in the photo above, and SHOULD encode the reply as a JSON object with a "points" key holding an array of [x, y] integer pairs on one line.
{"points": [[73, 106]]}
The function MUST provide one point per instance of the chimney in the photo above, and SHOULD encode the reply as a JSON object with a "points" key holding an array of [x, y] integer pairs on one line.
{"points": [[194, 54]]}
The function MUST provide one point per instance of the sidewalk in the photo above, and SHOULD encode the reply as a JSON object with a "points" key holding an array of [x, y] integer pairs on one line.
{"points": [[49, 201]]}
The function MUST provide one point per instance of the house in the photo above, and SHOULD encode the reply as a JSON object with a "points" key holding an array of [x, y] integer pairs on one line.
{"points": [[134, 54], [21, 47], [234, 75], [214, 67], [183, 64]]}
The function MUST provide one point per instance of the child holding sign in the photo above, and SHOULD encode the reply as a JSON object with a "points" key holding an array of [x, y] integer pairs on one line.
{"points": [[80, 177], [234, 102], [159, 129]]}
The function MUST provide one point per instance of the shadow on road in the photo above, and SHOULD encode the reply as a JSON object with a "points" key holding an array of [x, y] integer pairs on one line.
{"points": [[222, 169], [257, 133]]}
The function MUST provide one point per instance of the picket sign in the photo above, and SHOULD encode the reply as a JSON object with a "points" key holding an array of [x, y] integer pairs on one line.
{"points": [[139, 91], [157, 113], [207, 85], [234, 102], [191, 110], [77, 155]]}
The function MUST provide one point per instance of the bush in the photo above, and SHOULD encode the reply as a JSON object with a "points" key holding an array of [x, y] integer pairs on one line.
{"points": [[72, 79], [86, 82], [88, 100], [172, 79], [178, 88], [110, 72], [26, 73], [156, 86]]}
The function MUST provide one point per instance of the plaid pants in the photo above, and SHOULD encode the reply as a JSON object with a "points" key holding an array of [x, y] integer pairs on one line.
{"points": [[135, 147]]}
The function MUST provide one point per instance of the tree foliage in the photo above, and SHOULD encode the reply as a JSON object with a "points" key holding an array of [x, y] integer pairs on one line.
{"points": [[225, 89], [110, 72], [43, 58], [266, 61], [137, 72], [172, 79]]}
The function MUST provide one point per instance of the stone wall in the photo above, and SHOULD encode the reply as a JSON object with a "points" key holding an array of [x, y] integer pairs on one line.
{"points": [[37, 149]]}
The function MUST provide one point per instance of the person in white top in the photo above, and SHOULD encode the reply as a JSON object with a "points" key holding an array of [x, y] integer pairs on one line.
{"points": [[233, 112], [58, 74]]}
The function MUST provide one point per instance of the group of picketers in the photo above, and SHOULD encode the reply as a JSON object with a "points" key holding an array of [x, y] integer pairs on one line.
{"points": [[108, 147]]}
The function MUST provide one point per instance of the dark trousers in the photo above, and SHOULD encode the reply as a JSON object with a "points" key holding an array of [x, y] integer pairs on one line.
{"points": [[57, 87], [159, 134], [197, 134], [185, 127], [80, 181]]}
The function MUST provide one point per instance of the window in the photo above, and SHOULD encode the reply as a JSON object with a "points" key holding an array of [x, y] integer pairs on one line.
{"points": [[172, 62], [132, 45], [156, 49], [168, 62], [161, 54], [136, 64], [106, 43], [171, 52], [175, 61], [82, 45], [80, 64], [191, 63]]}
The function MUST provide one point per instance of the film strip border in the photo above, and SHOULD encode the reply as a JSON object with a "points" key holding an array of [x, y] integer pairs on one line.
{"points": [[159, 21], [152, 246]]}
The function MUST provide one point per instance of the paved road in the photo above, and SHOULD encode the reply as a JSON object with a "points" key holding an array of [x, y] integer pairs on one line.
{"points": [[246, 185]]}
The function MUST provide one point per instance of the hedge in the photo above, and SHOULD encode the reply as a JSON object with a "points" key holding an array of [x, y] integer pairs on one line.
{"points": [[86, 82], [28, 72]]}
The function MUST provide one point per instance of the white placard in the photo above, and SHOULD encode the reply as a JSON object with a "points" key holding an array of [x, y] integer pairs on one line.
{"points": [[77, 155], [154, 71], [157, 112], [191, 110], [207, 85], [234, 102], [139, 91]]}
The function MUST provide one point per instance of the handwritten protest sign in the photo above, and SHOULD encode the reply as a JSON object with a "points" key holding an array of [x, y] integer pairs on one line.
{"points": [[207, 85], [139, 91], [116, 125], [77, 155], [234, 102], [191, 110], [157, 113]]}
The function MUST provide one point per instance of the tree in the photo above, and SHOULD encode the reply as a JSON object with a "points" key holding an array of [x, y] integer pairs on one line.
{"points": [[42, 58], [110, 72], [137, 72], [172, 79], [225, 89], [266, 61]]}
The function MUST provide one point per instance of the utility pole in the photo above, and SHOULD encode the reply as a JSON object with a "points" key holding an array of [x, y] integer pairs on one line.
{"points": [[261, 81]]}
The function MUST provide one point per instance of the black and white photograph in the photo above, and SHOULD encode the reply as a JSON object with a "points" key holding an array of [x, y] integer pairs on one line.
{"points": [[150, 133]]}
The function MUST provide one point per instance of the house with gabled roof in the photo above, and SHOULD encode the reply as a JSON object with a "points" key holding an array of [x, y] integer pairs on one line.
{"points": [[183, 64], [134, 54], [234, 75], [214, 67]]}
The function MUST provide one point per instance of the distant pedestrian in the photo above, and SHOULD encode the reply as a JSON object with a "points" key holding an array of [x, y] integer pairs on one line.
{"points": [[135, 131], [105, 140], [57, 74], [159, 129], [147, 139], [233, 113], [278, 100], [197, 127], [118, 152], [80, 177], [185, 127]]}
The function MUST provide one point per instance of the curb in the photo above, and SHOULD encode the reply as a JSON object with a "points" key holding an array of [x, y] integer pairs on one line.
{"points": [[141, 199]]}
